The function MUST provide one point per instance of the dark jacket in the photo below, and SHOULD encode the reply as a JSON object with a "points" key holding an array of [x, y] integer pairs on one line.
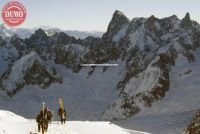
{"points": [[62, 113]]}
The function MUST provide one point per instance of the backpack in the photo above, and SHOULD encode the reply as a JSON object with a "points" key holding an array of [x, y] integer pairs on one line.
{"points": [[49, 115], [38, 118]]}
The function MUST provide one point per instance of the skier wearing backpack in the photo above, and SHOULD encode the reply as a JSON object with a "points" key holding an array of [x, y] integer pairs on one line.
{"points": [[40, 121], [62, 114], [47, 118]]}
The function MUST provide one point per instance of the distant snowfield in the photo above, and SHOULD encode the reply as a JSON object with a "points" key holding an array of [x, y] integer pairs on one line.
{"points": [[11, 123]]}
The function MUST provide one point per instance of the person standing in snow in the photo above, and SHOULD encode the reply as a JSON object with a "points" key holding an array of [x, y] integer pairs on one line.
{"points": [[40, 121], [43, 118], [47, 118], [62, 114]]}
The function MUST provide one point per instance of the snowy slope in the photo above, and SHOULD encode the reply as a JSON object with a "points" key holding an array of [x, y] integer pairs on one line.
{"points": [[20, 68], [143, 83], [83, 99], [8, 54], [173, 113], [11, 123]]}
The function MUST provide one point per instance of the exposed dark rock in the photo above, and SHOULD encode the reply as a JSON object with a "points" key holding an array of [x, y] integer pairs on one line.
{"points": [[196, 38], [148, 98], [153, 25], [69, 55], [194, 126], [39, 35], [186, 22], [34, 71], [2, 42], [19, 44], [117, 22], [63, 38], [38, 75]]}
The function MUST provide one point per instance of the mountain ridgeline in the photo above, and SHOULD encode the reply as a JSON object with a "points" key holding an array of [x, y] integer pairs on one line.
{"points": [[148, 49]]}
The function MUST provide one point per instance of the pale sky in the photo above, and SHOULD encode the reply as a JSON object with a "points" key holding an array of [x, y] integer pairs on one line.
{"points": [[95, 15]]}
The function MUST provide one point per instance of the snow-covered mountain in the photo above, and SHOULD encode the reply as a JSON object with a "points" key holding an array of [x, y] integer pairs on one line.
{"points": [[11, 123], [154, 88], [27, 32], [8, 32], [30, 69]]}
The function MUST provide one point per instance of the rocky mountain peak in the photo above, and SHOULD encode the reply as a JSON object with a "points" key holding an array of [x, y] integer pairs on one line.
{"points": [[151, 20], [186, 21], [39, 34], [16, 41], [38, 40], [118, 13], [118, 21], [187, 16], [63, 38]]}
